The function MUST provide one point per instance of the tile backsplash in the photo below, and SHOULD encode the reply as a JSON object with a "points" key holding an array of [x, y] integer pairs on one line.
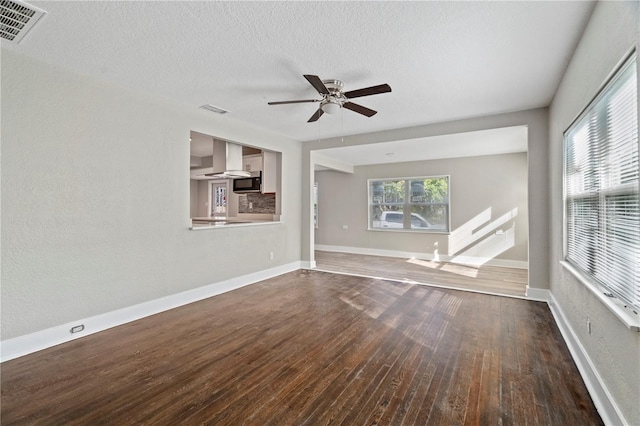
{"points": [[257, 203]]}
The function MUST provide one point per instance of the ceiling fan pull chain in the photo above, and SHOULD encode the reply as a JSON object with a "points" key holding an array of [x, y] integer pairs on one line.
{"points": [[342, 129], [318, 132]]}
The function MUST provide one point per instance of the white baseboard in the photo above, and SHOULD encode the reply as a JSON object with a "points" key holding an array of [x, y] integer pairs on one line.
{"points": [[538, 294], [33, 342], [305, 264], [602, 399], [466, 260]]}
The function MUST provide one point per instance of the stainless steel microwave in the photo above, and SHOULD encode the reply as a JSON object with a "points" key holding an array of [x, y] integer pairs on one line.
{"points": [[245, 185]]}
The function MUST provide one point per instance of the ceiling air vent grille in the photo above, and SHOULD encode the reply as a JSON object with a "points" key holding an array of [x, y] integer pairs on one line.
{"points": [[215, 109], [17, 18]]}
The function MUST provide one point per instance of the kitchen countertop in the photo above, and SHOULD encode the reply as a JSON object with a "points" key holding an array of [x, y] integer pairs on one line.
{"points": [[219, 221]]}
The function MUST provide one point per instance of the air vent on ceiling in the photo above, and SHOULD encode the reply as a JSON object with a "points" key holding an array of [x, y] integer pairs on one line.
{"points": [[17, 18], [215, 109]]}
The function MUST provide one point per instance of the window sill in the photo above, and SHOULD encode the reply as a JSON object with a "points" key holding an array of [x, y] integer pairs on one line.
{"points": [[615, 305]]}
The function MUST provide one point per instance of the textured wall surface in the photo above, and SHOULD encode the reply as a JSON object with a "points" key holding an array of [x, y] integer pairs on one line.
{"points": [[484, 193], [614, 349], [96, 199]]}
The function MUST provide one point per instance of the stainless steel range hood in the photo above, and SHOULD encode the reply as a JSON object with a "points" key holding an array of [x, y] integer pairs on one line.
{"points": [[227, 161]]}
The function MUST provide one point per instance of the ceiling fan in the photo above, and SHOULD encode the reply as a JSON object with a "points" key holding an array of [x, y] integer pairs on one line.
{"points": [[333, 97]]}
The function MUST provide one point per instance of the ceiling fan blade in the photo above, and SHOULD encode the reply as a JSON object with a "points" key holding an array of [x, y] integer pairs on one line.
{"points": [[293, 102], [316, 115], [373, 90], [317, 84], [359, 109]]}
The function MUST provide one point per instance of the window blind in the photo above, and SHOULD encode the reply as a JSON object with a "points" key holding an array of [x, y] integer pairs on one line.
{"points": [[601, 186]]}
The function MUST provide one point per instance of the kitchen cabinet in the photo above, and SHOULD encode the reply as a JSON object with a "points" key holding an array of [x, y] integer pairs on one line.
{"points": [[252, 163], [266, 163]]}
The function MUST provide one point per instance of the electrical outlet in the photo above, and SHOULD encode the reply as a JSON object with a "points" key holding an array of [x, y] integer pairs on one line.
{"points": [[270, 255], [77, 328], [345, 226]]}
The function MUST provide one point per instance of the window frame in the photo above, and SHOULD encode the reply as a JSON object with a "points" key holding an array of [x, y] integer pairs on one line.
{"points": [[622, 309], [406, 205]]}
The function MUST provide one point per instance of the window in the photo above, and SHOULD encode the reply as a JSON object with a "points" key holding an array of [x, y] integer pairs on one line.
{"points": [[411, 204], [602, 208], [315, 205], [218, 198]]}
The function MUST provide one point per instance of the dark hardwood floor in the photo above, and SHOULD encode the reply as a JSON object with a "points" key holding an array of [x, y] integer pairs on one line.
{"points": [[485, 279], [311, 348]]}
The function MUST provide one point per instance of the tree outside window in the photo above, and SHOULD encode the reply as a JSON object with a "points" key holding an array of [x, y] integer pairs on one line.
{"points": [[415, 204]]}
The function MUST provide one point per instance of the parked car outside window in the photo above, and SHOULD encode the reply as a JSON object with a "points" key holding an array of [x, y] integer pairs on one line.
{"points": [[419, 204], [391, 220]]}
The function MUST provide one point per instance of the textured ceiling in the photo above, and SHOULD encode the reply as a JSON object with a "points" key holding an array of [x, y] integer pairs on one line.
{"points": [[443, 60], [483, 142]]}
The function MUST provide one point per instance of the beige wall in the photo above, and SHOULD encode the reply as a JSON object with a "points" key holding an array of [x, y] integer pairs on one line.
{"points": [[537, 179], [198, 198], [613, 349], [485, 192], [194, 198], [96, 199]]}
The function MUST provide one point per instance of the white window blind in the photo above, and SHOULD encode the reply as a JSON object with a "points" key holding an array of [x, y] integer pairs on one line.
{"points": [[602, 208]]}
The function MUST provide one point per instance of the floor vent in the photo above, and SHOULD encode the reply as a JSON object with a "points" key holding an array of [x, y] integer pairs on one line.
{"points": [[215, 109], [17, 18]]}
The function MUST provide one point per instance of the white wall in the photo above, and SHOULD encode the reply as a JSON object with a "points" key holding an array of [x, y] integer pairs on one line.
{"points": [[613, 349], [96, 199], [537, 192], [488, 193]]}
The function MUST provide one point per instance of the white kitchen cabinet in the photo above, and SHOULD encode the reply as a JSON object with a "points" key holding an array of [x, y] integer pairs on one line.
{"points": [[252, 163], [267, 163]]}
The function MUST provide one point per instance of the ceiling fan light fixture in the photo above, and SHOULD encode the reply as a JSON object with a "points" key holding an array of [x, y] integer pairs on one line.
{"points": [[331, 107], [334, 98]]}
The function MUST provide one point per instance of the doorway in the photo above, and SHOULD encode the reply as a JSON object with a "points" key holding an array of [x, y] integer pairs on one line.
{"points": [[218, 198]]}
